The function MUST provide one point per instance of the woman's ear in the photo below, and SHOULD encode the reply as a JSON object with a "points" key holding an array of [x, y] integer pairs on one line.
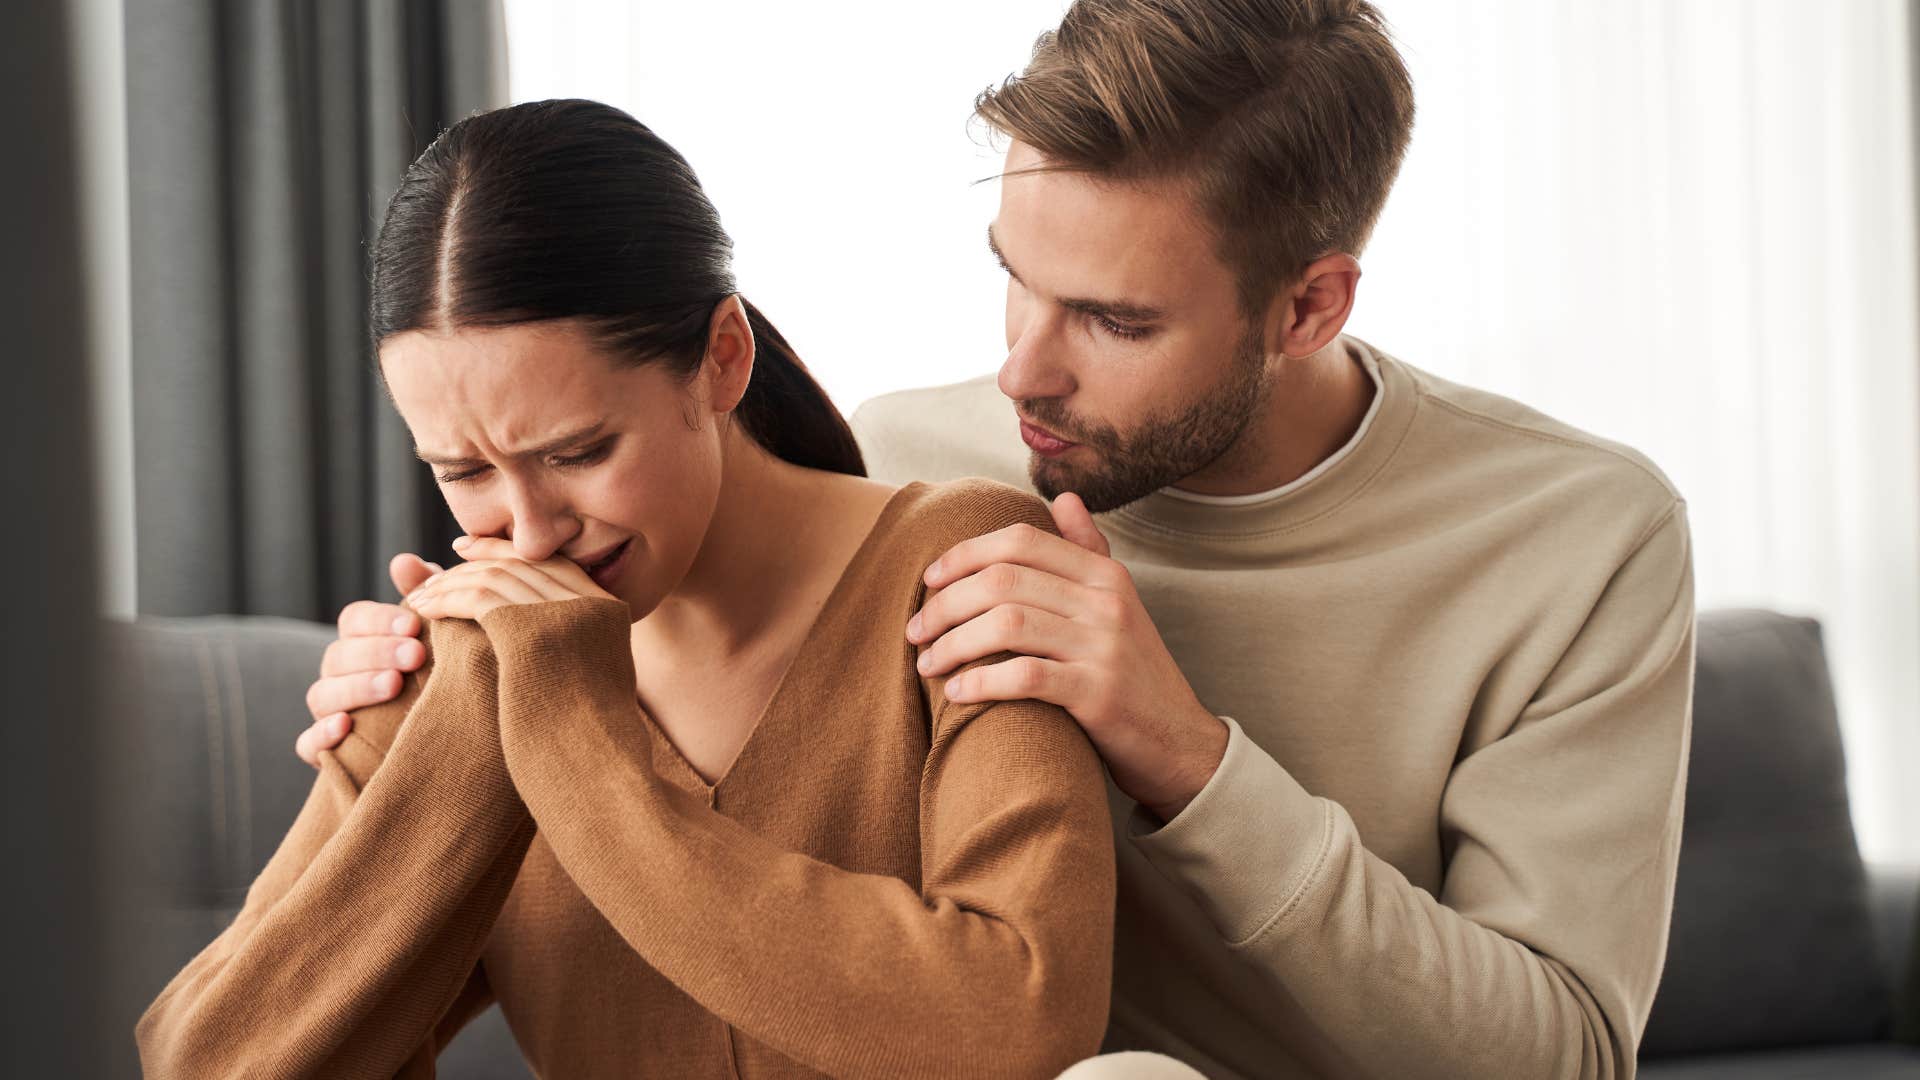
{"points": [[728, 365]]}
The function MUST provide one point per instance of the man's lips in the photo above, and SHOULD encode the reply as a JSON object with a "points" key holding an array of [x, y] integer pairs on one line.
{"points": [[1044, 442]]}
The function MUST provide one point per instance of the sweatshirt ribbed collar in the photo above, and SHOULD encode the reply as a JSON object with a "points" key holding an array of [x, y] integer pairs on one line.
{"points": [[1320, 493]]}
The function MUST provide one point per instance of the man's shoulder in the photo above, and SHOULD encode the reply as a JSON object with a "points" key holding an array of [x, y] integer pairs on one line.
{"points": [[1524, 452], [942, 433]]}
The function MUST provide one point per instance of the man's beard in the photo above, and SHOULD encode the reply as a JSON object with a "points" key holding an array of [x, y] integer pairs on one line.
{"points": [[1165, 448]]}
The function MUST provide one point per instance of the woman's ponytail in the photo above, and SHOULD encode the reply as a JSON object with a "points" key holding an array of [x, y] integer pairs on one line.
{"points": [[787, 412]]}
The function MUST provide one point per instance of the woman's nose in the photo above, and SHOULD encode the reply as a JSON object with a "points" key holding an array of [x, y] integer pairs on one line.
{"points": [[542, 527]]}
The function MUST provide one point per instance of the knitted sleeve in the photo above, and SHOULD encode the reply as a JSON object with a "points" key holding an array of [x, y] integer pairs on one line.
{"points": [[355, 953]]}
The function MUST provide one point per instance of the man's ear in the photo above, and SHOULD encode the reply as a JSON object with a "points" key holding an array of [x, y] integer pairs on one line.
{"points": [[727, 367], [1312, 311]]}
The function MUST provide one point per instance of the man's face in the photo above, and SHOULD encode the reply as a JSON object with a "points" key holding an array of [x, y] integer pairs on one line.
{"points": [[1128, 358]]}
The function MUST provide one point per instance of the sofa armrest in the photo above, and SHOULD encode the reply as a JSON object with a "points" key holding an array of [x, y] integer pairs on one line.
{"points": [[1895, 894]]}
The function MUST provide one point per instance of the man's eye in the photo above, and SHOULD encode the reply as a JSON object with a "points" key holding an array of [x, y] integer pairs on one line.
{"points": [[458, 477], [1122, 330]]}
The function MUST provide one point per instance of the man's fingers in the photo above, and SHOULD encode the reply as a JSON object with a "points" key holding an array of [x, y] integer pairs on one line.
{"points": [[369, 618], [1007, 628], [324, 734], [1025, 546], [351, 655], [345, 693], [1018, 679], [1001, 583], [408, 570], [1071, 517]]}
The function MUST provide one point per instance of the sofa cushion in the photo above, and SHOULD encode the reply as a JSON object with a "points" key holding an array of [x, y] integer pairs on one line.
{"points": [[1862, 1061], [206, 710], [1772, 941]]}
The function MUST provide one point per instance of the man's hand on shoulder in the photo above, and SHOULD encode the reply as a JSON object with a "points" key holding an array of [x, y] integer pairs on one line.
{"points": [[1086, 645], [365, 665]]}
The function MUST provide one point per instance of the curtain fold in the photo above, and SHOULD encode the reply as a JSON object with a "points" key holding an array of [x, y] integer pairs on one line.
{"points": [[265, 136]]}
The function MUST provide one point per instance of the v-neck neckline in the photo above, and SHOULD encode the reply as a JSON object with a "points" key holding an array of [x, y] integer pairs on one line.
{"points": [[808, 644]]}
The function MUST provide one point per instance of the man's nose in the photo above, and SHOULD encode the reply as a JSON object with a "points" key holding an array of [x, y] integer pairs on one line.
{"points": [[1033, 368]]}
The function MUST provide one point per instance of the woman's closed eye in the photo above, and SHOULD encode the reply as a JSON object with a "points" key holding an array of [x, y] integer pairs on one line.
{"points": [[591, 456]]}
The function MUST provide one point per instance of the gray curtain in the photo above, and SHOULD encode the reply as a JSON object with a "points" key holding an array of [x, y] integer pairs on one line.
{"points": [[272, 476], [51, 909]]}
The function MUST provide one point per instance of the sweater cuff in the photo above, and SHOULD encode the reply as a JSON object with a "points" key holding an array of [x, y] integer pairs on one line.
{"points": [[561, 648], [1246, 845]]}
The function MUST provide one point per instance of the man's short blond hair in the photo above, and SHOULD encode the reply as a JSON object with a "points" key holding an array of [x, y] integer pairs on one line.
{"points": [[1287, 118]]}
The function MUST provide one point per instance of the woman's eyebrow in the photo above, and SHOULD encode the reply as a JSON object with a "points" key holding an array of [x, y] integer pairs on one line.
{"points": [[564, 442]]}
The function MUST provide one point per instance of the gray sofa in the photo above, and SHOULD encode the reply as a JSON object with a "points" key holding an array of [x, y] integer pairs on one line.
{"points": [[1786, 957]]}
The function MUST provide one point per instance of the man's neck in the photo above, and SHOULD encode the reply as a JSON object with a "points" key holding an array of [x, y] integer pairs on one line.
{"points": [[1309, 408]]}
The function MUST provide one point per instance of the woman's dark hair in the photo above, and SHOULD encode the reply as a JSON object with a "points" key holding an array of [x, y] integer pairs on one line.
{"points": [[575, 210]]}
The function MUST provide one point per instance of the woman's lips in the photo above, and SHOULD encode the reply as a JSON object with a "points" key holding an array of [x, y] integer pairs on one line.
{"points": [[605, 573], [1042, 443]]}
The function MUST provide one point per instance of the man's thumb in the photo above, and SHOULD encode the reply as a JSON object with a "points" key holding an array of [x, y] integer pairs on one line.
{"points": [[408, 570], [1070, 516]]}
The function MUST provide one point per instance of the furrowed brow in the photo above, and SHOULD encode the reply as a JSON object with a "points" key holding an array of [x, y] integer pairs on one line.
{"points": [[565, 442]]}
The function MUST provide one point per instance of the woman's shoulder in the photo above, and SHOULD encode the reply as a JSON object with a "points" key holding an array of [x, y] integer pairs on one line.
{"points": [[936, 516]]}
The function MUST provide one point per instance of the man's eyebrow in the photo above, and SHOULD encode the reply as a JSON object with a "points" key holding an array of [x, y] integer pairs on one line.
{"points": [[564, 442], [1118, 310]]}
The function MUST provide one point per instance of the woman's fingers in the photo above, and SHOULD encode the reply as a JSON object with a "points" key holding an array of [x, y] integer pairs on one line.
{"points": [[536, 578], [344, 693], [324, 734], [565, 571]]}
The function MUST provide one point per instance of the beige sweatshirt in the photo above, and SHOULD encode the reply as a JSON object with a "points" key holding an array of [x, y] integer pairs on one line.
{"points": [[883, 884], [1458, 664]]}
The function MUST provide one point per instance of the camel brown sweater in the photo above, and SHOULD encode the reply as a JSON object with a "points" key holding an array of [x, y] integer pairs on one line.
{"points": [[882, 884]]}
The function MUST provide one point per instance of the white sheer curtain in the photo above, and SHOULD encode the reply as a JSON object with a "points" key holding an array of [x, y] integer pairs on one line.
{"points": [[1684, 224], [1688, 225]]}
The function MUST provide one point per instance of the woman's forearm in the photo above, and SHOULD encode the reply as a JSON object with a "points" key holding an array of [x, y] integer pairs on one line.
{"points": [[367, 922]]}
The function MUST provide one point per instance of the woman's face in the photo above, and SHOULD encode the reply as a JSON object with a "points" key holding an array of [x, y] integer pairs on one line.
{"points": [[538, 437]]}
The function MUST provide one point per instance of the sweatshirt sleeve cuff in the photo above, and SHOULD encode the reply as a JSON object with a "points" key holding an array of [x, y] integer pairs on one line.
{"points": [[1246, 845]]}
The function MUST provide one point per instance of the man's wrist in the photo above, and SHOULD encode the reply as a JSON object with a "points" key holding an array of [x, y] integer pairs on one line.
{"points": [[1193, 766]]}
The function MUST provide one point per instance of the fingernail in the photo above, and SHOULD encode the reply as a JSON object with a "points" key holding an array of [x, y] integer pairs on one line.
{"points": [[925, 661], [407, 654], [336, 724], [933, 573], [952, 687], [403, 624], [462, 542], [913, 626], [387, 682]]}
